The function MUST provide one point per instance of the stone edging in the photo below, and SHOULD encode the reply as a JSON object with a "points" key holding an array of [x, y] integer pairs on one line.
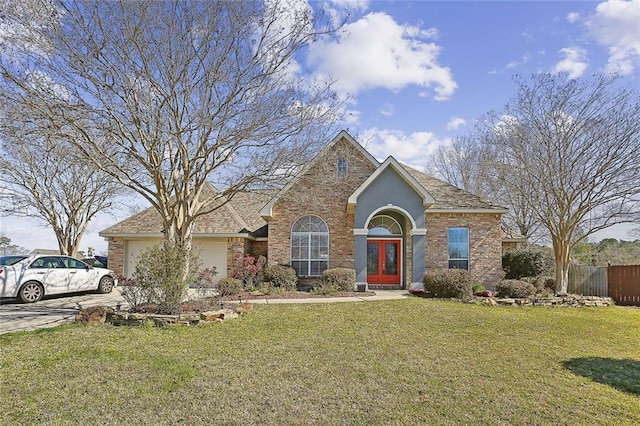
{"points": [[104, 314], [562, 301]]}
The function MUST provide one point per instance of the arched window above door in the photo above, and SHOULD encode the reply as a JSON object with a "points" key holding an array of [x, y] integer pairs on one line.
{"points": [[384, 225]]}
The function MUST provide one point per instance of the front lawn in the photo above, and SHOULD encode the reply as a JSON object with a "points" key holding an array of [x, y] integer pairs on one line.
{"points": [[391, 362]]}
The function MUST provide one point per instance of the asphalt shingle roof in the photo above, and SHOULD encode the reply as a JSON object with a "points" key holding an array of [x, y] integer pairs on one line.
{"points": [[239, 215], [448, 196], [242, 213]]}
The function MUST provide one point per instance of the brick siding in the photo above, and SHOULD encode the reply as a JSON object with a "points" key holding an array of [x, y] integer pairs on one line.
{"points": [[485, 248], [115, 255], [321, 193]]}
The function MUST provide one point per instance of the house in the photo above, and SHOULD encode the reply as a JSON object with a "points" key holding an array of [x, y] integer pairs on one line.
{"points": [[386, 220]]}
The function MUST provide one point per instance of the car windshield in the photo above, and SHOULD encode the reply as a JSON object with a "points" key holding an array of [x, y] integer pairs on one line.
{"points": [[11, 260]]}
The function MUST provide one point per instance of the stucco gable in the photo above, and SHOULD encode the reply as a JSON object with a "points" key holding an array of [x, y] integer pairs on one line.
{"points": [[392, 164]]}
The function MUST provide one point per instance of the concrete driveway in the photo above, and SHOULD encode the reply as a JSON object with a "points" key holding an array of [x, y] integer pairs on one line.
{"points": [[52, 310]]}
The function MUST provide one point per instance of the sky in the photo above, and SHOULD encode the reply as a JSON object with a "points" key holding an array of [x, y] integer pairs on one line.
{"points": [[415, 74]]}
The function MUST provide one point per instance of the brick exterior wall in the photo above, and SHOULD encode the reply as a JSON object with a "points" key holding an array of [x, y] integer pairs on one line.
{"points": [[408, 259], [236, 249], [485, 243], [258, 248], [115, 255], [321, 193]]}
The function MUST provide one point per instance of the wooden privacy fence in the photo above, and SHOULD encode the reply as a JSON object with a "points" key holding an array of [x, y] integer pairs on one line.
{"points": [[588, 280], [621, 283], [624, 284]]}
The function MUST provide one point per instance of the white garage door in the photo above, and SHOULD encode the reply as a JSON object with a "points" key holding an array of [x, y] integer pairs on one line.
{"points": [[212, 252]]}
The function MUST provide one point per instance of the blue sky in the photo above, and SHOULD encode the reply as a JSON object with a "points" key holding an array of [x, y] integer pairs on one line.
{"points": [[417, 73]]}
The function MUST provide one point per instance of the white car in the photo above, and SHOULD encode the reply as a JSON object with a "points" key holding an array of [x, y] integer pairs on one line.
{"points": [[33, 277]]}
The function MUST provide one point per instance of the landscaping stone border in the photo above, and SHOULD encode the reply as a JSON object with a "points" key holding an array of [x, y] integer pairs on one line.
{"points": [[137, 319], [103, 314], [560, 301]]}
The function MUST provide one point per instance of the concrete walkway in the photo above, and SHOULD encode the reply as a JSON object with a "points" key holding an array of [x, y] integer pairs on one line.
{"points": [[59, 310], [380, 295]]}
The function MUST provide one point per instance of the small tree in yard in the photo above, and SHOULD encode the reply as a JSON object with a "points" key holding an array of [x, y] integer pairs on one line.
{"points": [[160, 272], [570, 148]]}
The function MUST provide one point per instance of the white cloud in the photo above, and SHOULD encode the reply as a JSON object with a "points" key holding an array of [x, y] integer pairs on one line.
{"points": [[377, 52], [505, 125], [523, 60], [387, 110], [616, 25], [412, 149], [455, 123], [351, 116], [574, 62], [573, 17], [339, 10], [351, 4]]}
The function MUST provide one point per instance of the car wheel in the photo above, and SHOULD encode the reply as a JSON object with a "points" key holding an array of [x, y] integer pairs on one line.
{"points": [[31, 292], [106, 284]]}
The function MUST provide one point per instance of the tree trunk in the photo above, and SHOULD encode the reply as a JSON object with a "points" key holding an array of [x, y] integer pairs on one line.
{"points": [[561, 250]]}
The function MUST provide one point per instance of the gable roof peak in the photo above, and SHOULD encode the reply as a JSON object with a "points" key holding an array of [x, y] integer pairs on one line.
{"points": [[343, 135], [391, 162]]}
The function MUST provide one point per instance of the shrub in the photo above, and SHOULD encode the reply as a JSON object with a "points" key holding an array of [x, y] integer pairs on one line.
{"points": [[229, 286], [549, 284], [448, 283], [543, 285], [248, 274], [343, 279], [281, 276], [134, 294], [206, 282], [477, 288], [528, 262], [515, 288], [165, 271]]}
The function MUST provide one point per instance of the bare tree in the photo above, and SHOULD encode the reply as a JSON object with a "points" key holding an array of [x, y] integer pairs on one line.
{"points": [[570, 149], [462, 164], [7, 247], [43, 178], [469, 163], [167, 95]]}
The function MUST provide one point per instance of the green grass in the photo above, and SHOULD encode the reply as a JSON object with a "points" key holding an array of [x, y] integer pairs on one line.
{"points": [[415, 361]]}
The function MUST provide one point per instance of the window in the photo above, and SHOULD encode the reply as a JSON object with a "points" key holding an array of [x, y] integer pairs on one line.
{"points": [[309, 246], [384, 225], [73, 263], [458, 247], [46, 262], [341, 167]]}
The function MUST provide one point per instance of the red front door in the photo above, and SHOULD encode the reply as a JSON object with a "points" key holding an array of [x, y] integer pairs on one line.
{"points": [[383, 262]]}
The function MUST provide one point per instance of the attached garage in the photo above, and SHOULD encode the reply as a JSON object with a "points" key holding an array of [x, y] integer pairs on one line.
{"points": [[212, 252], [228, 232]]}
